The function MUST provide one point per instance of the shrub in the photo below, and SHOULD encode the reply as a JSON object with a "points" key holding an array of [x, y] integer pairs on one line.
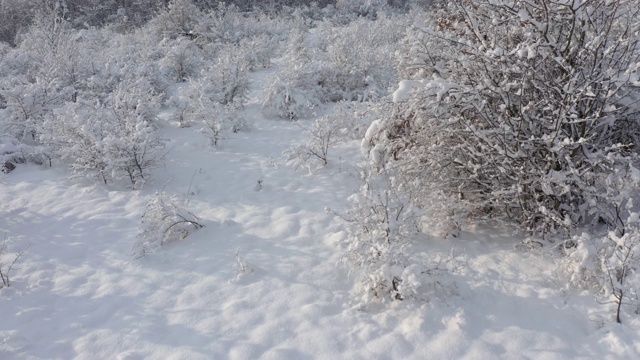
{"points": [[519, 110], [345, 124], [8, 264], [163, 221], [607, 265], [380, 254], [115, 140], [286, 101], [383, 226], [182, 59], [206, 105]]}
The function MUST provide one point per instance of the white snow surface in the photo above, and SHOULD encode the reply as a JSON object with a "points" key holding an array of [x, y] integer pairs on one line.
{"points": [[79, 294]]}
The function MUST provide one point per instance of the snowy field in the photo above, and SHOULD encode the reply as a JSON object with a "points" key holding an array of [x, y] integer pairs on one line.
{"points": [[319, 238], [79, 294]]}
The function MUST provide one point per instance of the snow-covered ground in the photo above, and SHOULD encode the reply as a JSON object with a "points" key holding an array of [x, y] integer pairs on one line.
{"points": [[79, 294]]}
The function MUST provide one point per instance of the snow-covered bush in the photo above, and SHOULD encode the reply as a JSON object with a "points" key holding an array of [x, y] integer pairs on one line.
{"points": [[8, 148], [127, 57], [230, 75], [357, 57], [165, 220], [115, 140], [607, 265], [221, 122], [322, 136], [205, 104], [286, 101], [384, 229], [46, 70], [257, 51], [227, 24], [13, 152], [225, 82], [355, 117], [55, 49], [182, 59], [342, 125], [383, 224], [181, 108], [179, 19], [28, 103], [293, 90], [518, 109], [350, 62], [88, 96], [7, 263], [347, 11]]}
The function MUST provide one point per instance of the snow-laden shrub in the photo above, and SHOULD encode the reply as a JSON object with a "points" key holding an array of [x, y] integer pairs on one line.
{"points": [[165, 220], [180, 18], [293, 91], [181, 110], [223, 121], [283, 100], [383, 230], [115, 140], [8, 263], [56, 50], [182, 59], [518, 109], [46, 70], [128, 57], [346, 123], [225, 82], [28, 103], [352, 10], [98, 84], [383, 224], [227, 24], [204, 103], [359, 55], [350, 62], [322, 136], [257, 51], [355, 117], [230, 75], [13, 152], [118, 15], [607, 265]]}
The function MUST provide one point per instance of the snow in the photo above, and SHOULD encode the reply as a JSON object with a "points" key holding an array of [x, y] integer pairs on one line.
{"points": [[404, 89], [79, 294], [8, 145]]}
